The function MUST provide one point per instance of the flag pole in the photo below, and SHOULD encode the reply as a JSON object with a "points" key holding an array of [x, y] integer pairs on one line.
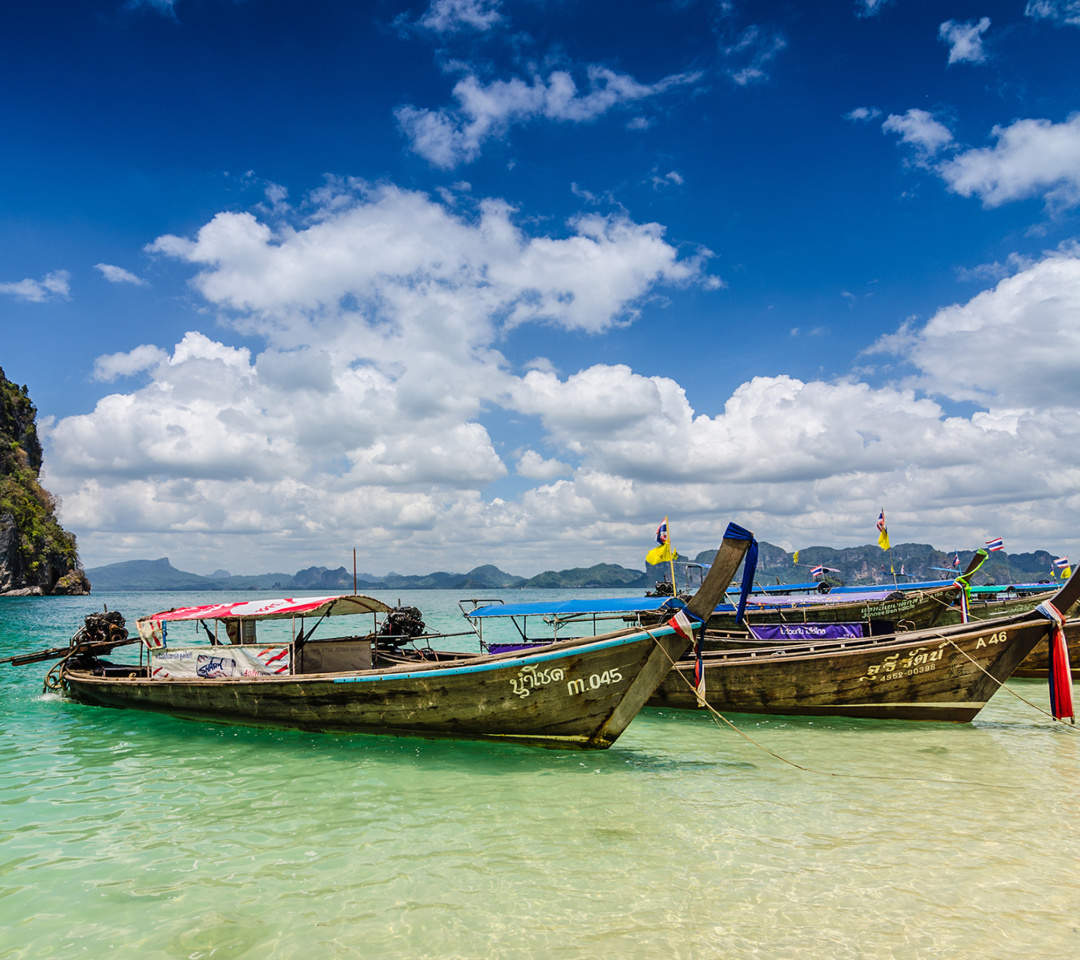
{"points": [[883, 531], [671, 558]]}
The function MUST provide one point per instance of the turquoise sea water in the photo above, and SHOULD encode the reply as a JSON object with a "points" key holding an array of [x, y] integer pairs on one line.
{"points": [[130, 835]]}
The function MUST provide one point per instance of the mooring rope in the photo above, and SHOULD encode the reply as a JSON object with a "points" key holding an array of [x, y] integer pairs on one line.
{"points": [[717, 715], [1002, 686], [54, 684]]}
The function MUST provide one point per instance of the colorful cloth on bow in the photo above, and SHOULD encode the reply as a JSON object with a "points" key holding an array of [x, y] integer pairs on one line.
{"points": [[1061, 691], [685, 625]]}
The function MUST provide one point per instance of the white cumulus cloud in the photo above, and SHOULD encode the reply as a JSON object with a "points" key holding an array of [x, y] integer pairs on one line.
{"points": [[1060, 11], [52, 286], [1013, 347], [920, 129], [532, 465], [1030, 158], [119, 275], [450, 136], [110, 366], [964, 40], [363, 409], [406, 258], [447, 16]]}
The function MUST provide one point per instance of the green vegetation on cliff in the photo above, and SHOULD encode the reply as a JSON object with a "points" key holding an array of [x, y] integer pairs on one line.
{"points": [[35, 551]]}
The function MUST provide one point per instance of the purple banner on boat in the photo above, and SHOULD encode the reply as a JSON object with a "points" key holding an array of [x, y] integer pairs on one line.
{"points": [[514, 647], [807, 631]]}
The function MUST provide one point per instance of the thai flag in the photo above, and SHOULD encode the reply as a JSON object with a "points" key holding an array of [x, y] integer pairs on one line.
{"points": [[996, 544], [1061, 563], [817, 572], [881, 521], [956, 561], [661, 532]]}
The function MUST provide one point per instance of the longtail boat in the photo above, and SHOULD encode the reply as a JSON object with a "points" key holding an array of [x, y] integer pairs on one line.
{"points": [[943, 673], [578, 692], [863, 612], [879, 611], [1036, 665]]}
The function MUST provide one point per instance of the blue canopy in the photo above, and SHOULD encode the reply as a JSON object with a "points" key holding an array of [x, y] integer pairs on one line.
{"points": [[919, 585], [1015, 587], [570, 608]]}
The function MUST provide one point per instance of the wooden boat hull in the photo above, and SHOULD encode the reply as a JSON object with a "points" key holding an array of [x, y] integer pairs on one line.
{"points": [[995, 609], [1036, 665], [946, 674], [571, 694]]}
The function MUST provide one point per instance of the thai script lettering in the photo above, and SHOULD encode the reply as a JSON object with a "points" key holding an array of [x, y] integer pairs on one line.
{"points": [[896, 665], [882, 611], [533, 678]]}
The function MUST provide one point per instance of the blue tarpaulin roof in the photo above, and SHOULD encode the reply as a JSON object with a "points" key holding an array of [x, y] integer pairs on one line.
{"points": [[600, 605], [569, 608]]}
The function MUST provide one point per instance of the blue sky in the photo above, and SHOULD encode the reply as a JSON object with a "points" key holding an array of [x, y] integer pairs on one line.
{"points": [[470, 281]]}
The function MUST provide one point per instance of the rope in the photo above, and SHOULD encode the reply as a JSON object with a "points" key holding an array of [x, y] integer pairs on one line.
{"points": [[54, 684], [1001, 686], [716, 715]]}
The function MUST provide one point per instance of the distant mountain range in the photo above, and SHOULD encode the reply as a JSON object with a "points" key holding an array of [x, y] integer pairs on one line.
{"points": [[162, 575], [853, 565], [910, 562]]}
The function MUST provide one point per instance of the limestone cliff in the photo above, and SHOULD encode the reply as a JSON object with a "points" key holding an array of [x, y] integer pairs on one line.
{"points": [[37, 556]]}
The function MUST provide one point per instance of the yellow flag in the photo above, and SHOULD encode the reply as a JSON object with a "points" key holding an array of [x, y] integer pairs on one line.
{"points": [[883, 533], [1066, 573], [795, 557], [661, 554]]}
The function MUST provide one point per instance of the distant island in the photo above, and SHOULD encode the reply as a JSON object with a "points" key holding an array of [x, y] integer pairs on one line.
{"points": [[853, 565], [162, 575]]}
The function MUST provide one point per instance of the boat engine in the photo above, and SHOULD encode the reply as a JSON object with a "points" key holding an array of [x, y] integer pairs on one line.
{"points": [[402, 625], [107, 627]]}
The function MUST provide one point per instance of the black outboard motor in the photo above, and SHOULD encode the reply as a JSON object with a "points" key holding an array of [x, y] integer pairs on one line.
{"points": [[402, 624], [107, 627]]}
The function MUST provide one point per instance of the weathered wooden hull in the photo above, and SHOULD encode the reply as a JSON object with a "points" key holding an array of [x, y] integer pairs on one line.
{"points": [[994, 609], [571, 694], [929, 675], [909, 611]]}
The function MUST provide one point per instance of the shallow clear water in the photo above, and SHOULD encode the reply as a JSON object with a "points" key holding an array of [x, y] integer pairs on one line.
{"points": [[130, 834]]}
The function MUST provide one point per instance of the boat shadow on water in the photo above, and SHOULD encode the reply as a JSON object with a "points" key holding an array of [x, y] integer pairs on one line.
{"points": [[95, 734]]}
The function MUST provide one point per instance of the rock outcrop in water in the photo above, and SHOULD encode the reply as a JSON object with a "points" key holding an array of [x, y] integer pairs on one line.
{"points": [[37, 556]]}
